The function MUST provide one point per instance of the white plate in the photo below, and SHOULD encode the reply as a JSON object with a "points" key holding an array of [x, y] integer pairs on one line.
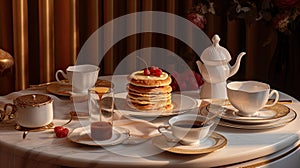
{"points": [[181, 104], [214, 142], [82, 135], [256, 126], [268, 114], [281, 122]]}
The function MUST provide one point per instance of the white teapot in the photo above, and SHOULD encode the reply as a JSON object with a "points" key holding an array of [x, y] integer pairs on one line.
{"points": [[216, 69]]}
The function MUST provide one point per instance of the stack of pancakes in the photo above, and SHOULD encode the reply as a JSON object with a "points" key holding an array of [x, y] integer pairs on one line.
{"points": [[150, 93]]}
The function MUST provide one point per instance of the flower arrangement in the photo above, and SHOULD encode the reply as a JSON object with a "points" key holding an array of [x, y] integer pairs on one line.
{"points": [[282, 14]]}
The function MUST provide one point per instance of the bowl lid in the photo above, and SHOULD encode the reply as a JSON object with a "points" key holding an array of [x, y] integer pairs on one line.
{"points": [[33, 100], [215, 54]]}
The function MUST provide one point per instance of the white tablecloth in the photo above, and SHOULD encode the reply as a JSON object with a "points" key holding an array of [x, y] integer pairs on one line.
{"points": [[43, 149]]}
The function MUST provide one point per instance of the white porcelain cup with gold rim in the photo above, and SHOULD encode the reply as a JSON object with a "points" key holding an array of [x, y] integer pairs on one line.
{"points": [[81, 77], [186, 129], [250, 96]]}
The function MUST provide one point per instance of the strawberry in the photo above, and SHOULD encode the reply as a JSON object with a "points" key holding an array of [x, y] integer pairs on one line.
{"points": [[57, 128], [61, 131], [152, 70], [147, 72], [157, 72]]}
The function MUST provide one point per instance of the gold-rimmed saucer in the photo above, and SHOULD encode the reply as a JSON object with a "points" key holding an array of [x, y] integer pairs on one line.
{"points": [[37, 129], [290, 116], [213, 143], [64, 88], [61, 89], [82, 135], [278, 123], [265, 115]]}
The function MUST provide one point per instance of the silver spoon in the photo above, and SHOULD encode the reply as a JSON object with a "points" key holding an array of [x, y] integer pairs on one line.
{"points": [[72, 114], [211, 118]]}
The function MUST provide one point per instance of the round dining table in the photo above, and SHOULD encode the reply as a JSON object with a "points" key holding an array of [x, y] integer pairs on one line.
{"points": [[270, 147]]}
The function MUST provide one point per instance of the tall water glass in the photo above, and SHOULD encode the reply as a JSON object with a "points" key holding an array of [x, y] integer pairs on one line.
{"points": [[101, 112]]}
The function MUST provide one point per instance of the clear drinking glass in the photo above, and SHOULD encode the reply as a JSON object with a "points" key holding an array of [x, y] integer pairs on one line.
{"points": [[101, 112]]}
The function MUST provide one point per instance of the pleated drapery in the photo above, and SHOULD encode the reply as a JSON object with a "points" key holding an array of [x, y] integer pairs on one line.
{"points": [[20, 38], [46, 35]]}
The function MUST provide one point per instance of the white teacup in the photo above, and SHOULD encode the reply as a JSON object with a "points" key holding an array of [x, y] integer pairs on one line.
{"points": [[82, 77], [32, 110], [187, 129], [250, 96]]}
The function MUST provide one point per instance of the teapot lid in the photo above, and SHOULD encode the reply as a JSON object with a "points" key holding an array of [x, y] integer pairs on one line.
{"points": [[215, 54]]}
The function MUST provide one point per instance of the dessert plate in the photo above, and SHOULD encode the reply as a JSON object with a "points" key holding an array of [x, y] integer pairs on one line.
{"points": [[181, 104], [82, 135], [268, 114], [61, 89], [214, 142]]}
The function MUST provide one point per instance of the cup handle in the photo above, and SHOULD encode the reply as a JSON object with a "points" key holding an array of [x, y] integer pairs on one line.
{"points": [[167, 133], [276, 98], [63, 74], [5, 113]]}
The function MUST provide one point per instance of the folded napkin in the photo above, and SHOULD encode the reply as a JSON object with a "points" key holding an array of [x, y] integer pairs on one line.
{"points": [[139, 130]]}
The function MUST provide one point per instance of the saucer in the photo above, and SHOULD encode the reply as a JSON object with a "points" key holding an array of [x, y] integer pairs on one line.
{"points": [[60, 89], [255, 126], [214, 142], [82, 135], [64, 88], [21, 128], [279, 123], [267, 114]]}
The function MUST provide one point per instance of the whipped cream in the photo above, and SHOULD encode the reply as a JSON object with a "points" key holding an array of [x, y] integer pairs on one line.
{"points": [[139, 75]]}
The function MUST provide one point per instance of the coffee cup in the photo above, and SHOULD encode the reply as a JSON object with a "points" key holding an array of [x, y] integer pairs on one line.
{"points": [[31, 111], [250, 96], [81, 77], [186, 129]]}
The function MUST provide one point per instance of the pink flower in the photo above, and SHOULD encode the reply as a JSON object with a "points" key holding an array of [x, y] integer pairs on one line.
{"points": [[197, 19], [188, 80], [285, 3]]}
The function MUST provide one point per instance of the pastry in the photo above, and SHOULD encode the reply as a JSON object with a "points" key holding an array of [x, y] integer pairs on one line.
{"points": [[149, 91]]}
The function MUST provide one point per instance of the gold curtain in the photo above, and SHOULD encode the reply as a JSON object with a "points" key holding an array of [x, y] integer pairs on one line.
{"points": [[46, 35]]}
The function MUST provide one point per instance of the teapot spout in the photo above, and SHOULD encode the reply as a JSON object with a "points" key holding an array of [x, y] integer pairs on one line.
{"points": [[236, 66]]}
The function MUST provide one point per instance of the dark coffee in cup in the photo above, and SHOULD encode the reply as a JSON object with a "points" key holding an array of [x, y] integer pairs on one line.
{"points": [[187, 129], [188, 124]]}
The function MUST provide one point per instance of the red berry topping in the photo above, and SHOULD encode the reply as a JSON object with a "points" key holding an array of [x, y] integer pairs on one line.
{"points": [[158, 72], [147, 72], [61, 132], [57, 128], [152, 70]]}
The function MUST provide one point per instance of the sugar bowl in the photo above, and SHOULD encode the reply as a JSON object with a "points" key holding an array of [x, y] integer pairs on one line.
{"points": [[31, 110]]}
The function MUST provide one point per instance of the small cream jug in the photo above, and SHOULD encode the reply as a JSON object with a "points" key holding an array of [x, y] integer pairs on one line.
{"points": [[216, 69]]}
